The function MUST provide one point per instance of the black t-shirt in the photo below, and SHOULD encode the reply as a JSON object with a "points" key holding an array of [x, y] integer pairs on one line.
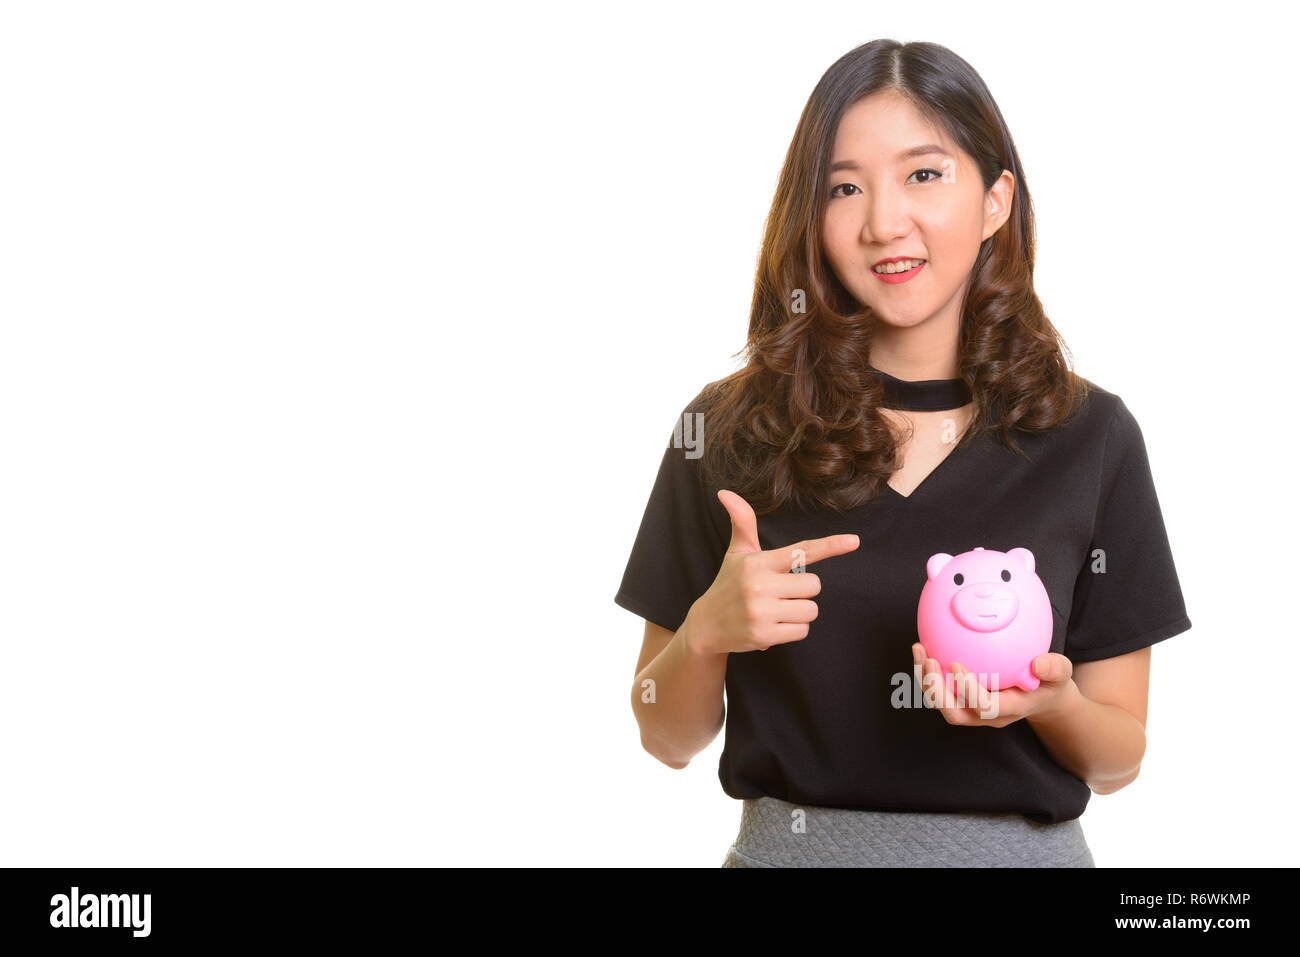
{"points": [[814, 721]]}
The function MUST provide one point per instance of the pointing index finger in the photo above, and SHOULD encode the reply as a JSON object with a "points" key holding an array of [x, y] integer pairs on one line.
{"points": [[807, 552]]}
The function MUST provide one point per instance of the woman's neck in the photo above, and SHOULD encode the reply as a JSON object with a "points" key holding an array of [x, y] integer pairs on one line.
{"points": [[917, 353], [916, 368]]}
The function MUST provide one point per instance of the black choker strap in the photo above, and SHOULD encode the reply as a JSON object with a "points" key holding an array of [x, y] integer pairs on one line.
{"points": [[924, 395]]}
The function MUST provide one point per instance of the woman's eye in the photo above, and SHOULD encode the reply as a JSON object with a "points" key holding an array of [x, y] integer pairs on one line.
{"points": [[931, 176]]}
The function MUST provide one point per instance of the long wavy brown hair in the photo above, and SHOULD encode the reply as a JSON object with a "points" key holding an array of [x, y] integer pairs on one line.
{"points": [[801, 421]]}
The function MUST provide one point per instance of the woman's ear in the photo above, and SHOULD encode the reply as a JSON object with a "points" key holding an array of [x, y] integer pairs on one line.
{"points": [[998, 203]]}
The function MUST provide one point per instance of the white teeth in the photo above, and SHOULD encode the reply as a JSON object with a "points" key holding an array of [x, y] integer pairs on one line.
{"points": [[903, 266]]}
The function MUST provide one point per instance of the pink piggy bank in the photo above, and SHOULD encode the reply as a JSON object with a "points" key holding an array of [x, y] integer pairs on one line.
{"points": [[988, 610]]}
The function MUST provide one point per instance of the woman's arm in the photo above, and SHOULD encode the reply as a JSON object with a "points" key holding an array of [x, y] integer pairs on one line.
{"points": [[1098, 733], [677, 696]]}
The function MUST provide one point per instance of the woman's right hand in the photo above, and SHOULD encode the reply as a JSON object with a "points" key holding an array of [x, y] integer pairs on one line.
{"points": [[756, 601]]}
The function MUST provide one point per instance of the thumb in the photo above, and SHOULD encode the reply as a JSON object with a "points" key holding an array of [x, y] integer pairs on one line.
{"points": [[744, 525], [1053, 667]]}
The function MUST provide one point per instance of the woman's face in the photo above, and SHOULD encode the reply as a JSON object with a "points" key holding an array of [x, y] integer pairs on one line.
{"points": [[884, 203]]}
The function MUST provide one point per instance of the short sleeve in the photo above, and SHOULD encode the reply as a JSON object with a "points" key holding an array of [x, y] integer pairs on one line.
{"points": [[1127, 595], [679, 547]]}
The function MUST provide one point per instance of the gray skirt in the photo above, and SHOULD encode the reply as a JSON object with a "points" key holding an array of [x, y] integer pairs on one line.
{"points": [[775, 833]]}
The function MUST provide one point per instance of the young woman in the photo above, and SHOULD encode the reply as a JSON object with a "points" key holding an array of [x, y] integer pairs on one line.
{"points": [[905, 397]]}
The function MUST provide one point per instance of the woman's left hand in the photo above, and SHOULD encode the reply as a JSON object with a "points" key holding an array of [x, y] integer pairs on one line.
{"points": [[997, 709]]}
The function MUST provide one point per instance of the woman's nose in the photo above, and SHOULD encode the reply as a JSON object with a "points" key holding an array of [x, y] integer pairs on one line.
{"points": [[886, 220]]}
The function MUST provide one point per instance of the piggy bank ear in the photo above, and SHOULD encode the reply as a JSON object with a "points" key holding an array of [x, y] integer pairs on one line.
{"points": [[1024, 556], [936, 563]]}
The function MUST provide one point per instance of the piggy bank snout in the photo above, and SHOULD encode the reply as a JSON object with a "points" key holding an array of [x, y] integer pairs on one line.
{"points": [[985, 606]]}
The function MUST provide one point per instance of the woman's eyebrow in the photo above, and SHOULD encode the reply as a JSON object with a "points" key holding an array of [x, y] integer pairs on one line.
{"points": [[906, 154]]}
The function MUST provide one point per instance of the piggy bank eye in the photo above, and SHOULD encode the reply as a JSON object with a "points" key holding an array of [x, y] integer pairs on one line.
{"points": [[957, 579], [1006, 575]]}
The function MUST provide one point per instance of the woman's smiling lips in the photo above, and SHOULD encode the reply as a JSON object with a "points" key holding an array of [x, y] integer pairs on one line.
{"points": [[897, 277]]}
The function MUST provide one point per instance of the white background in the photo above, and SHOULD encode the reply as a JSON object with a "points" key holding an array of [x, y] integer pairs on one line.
{"points": [[341, 342]]}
